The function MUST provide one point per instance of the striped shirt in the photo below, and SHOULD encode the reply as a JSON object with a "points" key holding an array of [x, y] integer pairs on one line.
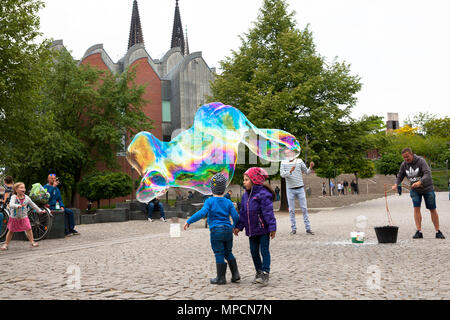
{"points": [[294, 179]]}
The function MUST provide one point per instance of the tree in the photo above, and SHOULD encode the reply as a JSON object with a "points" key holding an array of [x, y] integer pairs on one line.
{"points": [[389, 163], [278, 80], [419, 120], [105, 185], [328, 171], [24, 61], [438, 127], [356, 141], [87, 114]]}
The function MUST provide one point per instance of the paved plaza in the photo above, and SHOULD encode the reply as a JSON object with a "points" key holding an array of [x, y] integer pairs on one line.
{"points": [[139, 260]]}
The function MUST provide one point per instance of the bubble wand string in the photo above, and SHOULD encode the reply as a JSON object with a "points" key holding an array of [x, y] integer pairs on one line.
{"points": [[387, 208]]}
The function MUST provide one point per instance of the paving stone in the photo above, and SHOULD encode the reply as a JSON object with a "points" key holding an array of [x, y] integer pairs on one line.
{"points": [[139, 260]]}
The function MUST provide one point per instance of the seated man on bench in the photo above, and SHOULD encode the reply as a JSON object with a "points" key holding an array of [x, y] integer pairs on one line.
{"points": [[56, 203], [155, 204]]}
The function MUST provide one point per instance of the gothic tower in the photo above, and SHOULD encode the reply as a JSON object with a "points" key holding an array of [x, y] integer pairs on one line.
{"points": [[186, 45], [177, 32], [136, 35]]}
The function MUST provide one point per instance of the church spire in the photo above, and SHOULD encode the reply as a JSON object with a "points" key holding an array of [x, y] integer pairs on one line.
{"points": [[136, 35], [177, 33], [186, 44]]}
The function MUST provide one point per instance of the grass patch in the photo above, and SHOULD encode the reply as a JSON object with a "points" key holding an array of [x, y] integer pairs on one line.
{"points": [[440, 180]]}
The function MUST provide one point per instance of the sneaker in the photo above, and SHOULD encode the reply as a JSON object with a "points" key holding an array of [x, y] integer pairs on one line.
{"points": [[419, 235], [150, 219], [439, 235], [257, 276], [263, 279], [310, 232], [293, 232], [163, 220], [74, 232], [68, 234]]}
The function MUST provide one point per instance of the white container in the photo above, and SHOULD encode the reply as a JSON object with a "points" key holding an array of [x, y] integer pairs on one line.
{"points": [[175, 230]]}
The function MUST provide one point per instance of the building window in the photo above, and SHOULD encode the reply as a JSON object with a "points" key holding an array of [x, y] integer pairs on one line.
{"points": [[166, 117]]}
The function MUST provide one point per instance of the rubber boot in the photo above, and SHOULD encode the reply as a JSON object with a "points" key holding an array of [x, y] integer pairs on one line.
{"points": [[235, 276], [221, 270]]}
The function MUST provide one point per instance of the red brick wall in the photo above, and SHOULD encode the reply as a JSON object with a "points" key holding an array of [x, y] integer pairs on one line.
{"points": [[145, 75]]}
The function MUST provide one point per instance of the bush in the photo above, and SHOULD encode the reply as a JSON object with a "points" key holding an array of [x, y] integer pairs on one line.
{"points": [[105, 185], [389, 163]]}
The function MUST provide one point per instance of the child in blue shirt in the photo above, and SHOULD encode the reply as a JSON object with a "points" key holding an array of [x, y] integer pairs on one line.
{"points": [[218, 211]]}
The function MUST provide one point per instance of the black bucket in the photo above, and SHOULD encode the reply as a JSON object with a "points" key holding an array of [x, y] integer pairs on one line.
{"points": [[387, 234]]}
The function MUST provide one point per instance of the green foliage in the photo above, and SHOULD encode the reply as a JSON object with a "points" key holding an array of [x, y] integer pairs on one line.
{"points": [[328, 171], [440, 180], [278, 80], [84, 114], [24, 61], [389, 163], [367, 170], [105, 185], [96, 107], [438, 128], [360, 136], [419, 121], [434, 149]]}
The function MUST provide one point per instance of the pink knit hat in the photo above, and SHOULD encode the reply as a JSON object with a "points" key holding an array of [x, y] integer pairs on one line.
{"points": [[257, 175]]}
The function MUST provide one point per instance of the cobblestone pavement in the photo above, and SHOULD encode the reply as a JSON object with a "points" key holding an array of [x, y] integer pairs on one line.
{"points": [[139, 260]]}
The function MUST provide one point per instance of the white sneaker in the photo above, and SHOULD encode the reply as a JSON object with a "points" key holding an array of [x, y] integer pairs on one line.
{"points": [[150, 219], [163, 220]]}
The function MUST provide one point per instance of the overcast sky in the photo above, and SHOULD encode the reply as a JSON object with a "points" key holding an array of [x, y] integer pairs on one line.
{"points": [[400, 48]]}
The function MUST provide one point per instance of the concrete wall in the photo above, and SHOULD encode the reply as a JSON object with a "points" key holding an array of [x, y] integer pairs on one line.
{"points": [[195, 78]]}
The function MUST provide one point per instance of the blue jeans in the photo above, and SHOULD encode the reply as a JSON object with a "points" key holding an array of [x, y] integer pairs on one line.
{"points": [[222, 243], [151, 207], [429, 197], [299, 194], [260, 244]]}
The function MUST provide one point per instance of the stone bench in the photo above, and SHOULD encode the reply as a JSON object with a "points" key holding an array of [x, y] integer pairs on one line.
{"points": [[138, 211], [105, 215], [56, 231]]}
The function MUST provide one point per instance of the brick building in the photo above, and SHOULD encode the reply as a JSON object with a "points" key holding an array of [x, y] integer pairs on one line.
{"points": [[176, 84]]}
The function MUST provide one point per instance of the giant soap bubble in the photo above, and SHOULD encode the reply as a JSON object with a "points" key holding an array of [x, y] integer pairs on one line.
{"points": [[208, 147]]}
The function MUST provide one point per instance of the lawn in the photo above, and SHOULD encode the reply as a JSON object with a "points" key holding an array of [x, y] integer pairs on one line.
{"points": [[440, 179]]}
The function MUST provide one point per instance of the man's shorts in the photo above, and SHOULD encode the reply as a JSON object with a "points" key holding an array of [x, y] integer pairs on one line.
{"points": [[429, 197]]}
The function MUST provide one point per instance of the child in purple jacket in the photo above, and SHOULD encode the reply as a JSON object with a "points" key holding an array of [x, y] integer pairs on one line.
{"points": [[257, 217]]}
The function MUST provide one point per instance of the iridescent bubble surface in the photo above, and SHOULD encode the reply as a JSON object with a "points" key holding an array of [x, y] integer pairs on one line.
{"points": [[208, 147]]}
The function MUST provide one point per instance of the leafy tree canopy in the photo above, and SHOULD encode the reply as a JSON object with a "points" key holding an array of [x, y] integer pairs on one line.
{"points": [[278, 80], [24, 61]]}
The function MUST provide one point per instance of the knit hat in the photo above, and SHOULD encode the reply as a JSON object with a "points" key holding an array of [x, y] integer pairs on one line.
{"points": [[257, 175], [218, 184]]}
